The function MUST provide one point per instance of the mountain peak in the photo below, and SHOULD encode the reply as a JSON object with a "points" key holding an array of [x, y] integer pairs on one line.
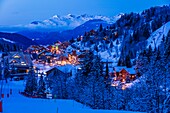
{"points": [[56, 16], [71, 15]]}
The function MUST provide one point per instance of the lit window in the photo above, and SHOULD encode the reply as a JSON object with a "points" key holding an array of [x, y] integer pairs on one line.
{"points": [[123, 80], [23, 63], [16, 56]]}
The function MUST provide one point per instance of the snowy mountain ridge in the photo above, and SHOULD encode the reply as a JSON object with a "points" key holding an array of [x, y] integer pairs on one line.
{"points": [[71, 21]]}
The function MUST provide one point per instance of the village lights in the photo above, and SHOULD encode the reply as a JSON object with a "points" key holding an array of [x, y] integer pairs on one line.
{"points": [[115, 78], [34, 67], [23, 63], [16, 56], [79, 68], [123, 80], [123, 87]]}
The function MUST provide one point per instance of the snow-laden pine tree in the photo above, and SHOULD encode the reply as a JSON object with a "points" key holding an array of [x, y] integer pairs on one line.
{"points": [[58, 83], [41, 86], [31, 82], [96, 83]]}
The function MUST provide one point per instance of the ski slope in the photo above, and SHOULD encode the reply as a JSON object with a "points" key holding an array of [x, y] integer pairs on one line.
{"points": [[17, 103]]}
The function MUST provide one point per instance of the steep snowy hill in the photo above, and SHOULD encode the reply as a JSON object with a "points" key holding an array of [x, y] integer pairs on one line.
{"points": [[156, 37]]}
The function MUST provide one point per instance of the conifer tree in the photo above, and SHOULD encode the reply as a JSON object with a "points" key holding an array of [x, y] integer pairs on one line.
{"points": [[41, 86], [101, 28], [128, 62], [31, 82]]}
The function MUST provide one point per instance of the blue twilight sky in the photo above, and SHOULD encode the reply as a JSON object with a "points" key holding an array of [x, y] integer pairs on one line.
{"points": [[14, 12]]}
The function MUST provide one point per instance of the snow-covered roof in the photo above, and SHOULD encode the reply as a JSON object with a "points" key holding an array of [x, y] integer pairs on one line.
{"points": [[119, 68], [48, 54], [129, 70], [65, 68]]}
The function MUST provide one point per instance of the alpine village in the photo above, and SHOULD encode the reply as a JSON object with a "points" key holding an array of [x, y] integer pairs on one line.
{"points": [[120, 66]]}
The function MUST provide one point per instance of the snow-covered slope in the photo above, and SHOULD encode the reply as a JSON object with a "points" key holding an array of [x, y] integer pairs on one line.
{"points": [[17, 103], [71, 21], [110, 54], [156, 37]]}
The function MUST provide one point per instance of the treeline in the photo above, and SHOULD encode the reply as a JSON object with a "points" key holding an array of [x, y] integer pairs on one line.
{"points": [[6, 47]]}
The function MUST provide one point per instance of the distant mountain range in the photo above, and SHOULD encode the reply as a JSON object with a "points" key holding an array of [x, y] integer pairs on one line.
{"points": [[65, 27], [71, 21], [46, 37], [60, 27]]}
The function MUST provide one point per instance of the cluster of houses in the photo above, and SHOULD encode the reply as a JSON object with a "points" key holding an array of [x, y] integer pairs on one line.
{"points": [[58, 54], [56, 57]]}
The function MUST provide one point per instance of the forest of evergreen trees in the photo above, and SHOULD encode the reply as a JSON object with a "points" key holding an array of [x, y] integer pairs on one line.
{"points": [[91, 87], [6, 47]]}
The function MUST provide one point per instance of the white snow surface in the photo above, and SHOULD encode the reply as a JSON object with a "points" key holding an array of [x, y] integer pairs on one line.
{"points": [[66, 68], [156, 37], [7, 40], [17, 103]]}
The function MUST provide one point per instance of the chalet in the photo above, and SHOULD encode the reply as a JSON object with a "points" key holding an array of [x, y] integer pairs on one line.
{"points": [[60, 70], [35, 49], [124, 74], [19, 63]]}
